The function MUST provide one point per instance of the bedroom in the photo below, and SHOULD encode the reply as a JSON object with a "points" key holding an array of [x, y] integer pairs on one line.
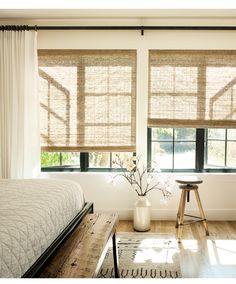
{"points": [[217, 191]]}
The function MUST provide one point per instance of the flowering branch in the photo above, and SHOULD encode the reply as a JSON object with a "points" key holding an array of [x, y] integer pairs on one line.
{"points": [[141, 177]]}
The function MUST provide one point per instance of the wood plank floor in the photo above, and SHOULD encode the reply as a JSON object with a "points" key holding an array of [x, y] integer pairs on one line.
{"points": [[201, 256]]}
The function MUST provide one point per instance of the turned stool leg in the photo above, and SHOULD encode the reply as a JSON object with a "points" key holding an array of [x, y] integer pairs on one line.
{"points": [[181, 216], [201, 212], [178, 213]]}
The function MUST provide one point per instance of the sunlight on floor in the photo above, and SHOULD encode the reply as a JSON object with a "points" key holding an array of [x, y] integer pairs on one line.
{"points": [[190, 245], [156, 251], [211, 252], [158, 243], [222, 252], [219, 254]]}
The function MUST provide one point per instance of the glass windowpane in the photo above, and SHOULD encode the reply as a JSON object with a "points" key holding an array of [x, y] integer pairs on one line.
{"points": [[185, 134], [99, 160], [70, 159], [165, 134], [162, 153], [231, 154], [231, 134], [184, 155], [216, 153], [123, 156], [50, 159], [214, 133]]}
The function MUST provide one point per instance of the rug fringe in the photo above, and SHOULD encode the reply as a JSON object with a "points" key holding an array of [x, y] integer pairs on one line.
{"points": [[138, 273]]}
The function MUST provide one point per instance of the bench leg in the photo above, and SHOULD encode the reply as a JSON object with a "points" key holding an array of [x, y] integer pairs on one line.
{"points": [[115, 256]]}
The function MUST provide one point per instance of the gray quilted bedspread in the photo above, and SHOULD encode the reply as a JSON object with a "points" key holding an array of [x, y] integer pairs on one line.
{"points": [[32, 214]]}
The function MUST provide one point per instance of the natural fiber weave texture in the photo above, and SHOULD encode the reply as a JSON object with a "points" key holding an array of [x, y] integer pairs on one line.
{"points": [[88, 100], [192, 88]]}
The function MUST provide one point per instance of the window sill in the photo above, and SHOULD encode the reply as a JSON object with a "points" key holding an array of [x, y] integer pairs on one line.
{"points": [[108, 170], [71, 169]]}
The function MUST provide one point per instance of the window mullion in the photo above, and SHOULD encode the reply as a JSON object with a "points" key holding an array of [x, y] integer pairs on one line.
{"points": [[110, 160], [149, 147], [60, 158], [226, 142], [173, 148], [206, 146], [84, 162], [200, 133]]}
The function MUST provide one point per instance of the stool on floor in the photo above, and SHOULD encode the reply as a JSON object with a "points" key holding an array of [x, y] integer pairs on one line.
{"points": [[189, 183]]}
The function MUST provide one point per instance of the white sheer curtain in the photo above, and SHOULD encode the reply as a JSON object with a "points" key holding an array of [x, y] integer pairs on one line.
{"points": [[19, 105]]}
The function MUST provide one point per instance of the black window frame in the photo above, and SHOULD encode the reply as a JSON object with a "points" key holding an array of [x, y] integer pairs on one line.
{"points": [[84, 165], [200, 154]]}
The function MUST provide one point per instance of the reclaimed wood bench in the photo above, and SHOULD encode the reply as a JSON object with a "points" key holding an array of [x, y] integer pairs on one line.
{"points": [[82, 254]]}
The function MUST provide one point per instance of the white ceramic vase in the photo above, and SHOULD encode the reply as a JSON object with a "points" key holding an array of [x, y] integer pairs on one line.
{"points": [[142, 214]]}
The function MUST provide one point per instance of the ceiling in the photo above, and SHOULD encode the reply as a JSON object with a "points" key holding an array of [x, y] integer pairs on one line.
{"points": [[115, 13]]}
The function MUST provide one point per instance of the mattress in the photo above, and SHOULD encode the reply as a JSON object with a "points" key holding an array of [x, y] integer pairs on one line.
{"points": [[32, 214]]}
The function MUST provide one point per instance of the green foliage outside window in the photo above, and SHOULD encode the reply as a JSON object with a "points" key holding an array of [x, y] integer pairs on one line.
{"points": [[49, 159]]}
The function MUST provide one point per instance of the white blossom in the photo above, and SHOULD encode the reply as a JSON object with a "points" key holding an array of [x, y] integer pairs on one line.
{"points": [[143, 178]]}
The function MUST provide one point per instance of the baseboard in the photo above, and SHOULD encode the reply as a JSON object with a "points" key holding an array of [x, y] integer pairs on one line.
{"points": [[211, 214]]}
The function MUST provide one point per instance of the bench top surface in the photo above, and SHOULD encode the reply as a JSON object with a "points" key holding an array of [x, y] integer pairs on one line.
{"points": [[80, 255]]}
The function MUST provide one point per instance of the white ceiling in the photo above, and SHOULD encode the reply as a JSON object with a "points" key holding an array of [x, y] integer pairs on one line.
{"points": [[115, 13]]}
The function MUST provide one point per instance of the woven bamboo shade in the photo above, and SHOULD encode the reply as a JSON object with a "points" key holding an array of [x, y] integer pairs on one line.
{"points": [[88, 100], [192, 88]]}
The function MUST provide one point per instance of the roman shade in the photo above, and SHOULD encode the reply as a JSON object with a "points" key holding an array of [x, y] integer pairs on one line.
{"points": [[88, 100], [192, 88]]}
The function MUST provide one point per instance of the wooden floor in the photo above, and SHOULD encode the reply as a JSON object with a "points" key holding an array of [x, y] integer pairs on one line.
{"points": [[201, 256]]}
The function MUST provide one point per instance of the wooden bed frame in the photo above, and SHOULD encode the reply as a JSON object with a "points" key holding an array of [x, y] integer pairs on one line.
{"points": [[35, 269]]}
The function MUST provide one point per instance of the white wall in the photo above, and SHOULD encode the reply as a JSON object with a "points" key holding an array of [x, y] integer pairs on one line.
{"points": [[218, 194], [218, 191]]}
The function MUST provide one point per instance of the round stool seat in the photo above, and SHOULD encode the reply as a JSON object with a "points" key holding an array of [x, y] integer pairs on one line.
{"points": [[188, 180]]}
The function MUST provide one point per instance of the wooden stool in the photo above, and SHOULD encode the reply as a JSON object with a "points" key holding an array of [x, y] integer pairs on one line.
{"points": [[189, 183]]}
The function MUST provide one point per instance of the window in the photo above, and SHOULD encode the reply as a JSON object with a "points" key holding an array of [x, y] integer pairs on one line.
{"points": [[192, 88], [88, 106], [189, 149], [191, 109], [173, 148], [59, 159], [221, 148], [69, 161], [104, 160]]}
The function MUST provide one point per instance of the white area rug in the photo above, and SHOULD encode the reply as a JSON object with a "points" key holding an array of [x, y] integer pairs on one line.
{"points": [[144, 255]]}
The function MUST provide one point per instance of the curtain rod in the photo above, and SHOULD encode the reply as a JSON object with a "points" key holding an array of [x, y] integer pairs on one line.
{"points": [[139, 28]]}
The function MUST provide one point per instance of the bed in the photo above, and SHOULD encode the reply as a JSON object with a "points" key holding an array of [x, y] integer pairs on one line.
{"points": [[36, 215]]}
